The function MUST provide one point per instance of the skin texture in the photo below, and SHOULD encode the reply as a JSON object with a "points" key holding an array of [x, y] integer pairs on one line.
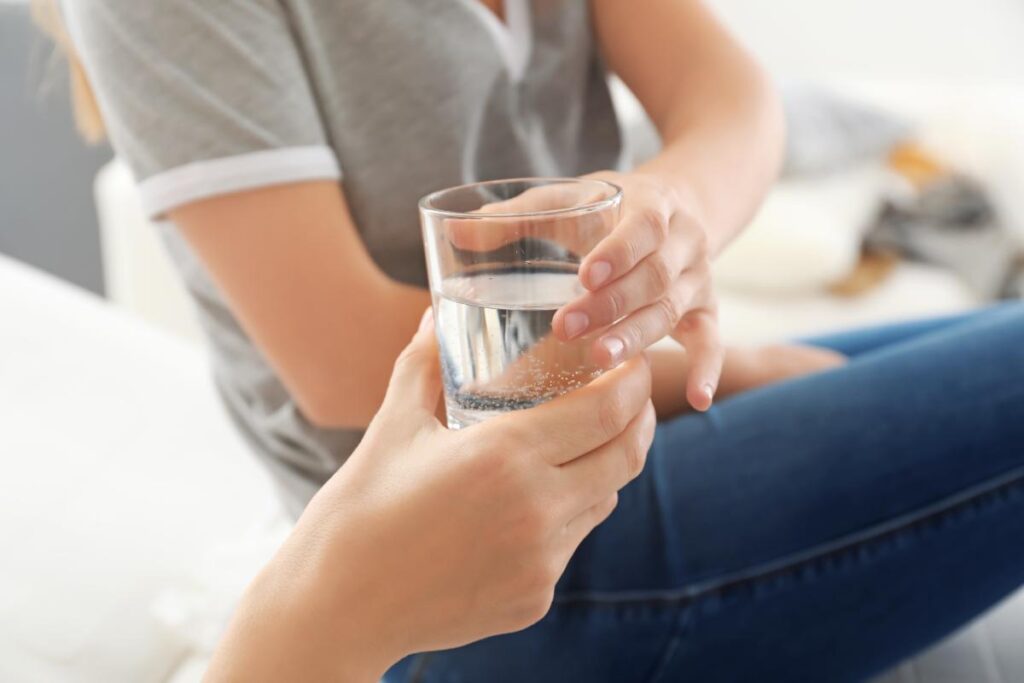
{"points": [[430, 539], [743, 369], [721, 125], [511, 498], [289, 258]]}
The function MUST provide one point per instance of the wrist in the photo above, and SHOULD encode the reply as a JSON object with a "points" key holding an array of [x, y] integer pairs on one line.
{"points": [[342, 603], [305, 618]]}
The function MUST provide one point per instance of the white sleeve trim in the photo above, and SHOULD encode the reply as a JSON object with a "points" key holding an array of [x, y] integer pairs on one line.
{"points": [[205, 179]]}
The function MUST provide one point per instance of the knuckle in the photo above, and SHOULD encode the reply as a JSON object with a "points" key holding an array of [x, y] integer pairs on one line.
{"points": [[654, 218], [636, 455], [535, 607], [616, 303], [538, 572], [605, 508], [610, 504], [669, 311], [651, 424], [611, 415], [632, 249], [535, 579], [660, 273], [703, 243], [635, 333], [708, 316], [551, 570]]}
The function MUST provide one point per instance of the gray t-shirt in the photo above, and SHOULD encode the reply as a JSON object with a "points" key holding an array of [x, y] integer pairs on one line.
{"points": [[396, 98]]}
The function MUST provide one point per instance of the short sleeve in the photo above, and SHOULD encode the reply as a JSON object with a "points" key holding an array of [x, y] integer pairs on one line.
{"points": [[201, 97]]}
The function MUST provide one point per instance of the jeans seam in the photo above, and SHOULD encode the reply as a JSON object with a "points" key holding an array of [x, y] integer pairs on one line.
{"points": [[995, 488], [674, 641]]}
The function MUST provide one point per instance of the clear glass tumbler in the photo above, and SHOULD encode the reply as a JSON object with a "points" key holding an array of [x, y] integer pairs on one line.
{"points": [[502, 257]]}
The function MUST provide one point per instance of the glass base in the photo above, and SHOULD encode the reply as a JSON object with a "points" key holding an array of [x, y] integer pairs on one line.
{"points": [[460, 417]]}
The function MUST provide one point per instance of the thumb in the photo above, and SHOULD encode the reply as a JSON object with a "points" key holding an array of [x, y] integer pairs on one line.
{"points": [[416, 380]]}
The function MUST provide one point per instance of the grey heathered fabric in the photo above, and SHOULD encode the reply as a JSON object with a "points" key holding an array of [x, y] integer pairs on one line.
{"points": [[410, 95]]}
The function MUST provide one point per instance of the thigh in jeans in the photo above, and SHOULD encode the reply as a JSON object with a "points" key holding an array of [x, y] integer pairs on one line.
{"points": [[802, 528]]}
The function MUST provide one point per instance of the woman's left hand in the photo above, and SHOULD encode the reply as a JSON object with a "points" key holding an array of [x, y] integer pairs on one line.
{"points": [[649, 278]]}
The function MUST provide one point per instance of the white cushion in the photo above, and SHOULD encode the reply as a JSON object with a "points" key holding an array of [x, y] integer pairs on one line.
{"points": [[911, 291], [806, 236], [119, 471]]}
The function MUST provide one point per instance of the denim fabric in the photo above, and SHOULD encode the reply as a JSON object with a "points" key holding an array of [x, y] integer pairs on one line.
{"points": [[821, 529]]}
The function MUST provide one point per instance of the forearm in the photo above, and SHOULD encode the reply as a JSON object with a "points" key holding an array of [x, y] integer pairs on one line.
{"points": [[304, 619], [301, 282], [356, 360], [723, 139], [717, 112]]}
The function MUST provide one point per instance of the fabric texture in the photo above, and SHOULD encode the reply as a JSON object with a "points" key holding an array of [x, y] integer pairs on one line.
{"points": [[402, 98], [821, 529], [952, 222]]}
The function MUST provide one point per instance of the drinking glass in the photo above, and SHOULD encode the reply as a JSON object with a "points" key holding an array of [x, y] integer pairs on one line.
{"points": [[502, 257]]}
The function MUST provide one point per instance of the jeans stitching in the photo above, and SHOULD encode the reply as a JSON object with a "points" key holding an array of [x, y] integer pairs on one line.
{"points": [[674, 641], [990, 492]]}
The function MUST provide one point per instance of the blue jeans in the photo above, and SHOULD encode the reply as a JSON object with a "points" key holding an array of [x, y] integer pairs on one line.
{"points": [[821, 529]]}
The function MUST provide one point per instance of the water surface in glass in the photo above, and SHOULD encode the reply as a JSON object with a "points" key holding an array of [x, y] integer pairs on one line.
{"points": [[502, 258]]}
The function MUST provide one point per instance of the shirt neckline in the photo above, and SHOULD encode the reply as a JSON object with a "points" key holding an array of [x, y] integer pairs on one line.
{"points": [[513, 37]]}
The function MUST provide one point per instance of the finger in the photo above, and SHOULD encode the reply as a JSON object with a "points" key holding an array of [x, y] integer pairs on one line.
{"points": [[592, 478], [580, 526], [565, 428], [645, 284], [640, 232], [698, 332], [541, 198], [499, 223], [630, 336], [485, 233], [416, 379]]}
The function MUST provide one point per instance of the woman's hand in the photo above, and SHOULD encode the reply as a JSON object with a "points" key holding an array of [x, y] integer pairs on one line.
{"points": [[649, 278], [429, 538]]}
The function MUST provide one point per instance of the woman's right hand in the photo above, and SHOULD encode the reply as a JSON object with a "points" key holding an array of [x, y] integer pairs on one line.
{"points": [[429, 538]]}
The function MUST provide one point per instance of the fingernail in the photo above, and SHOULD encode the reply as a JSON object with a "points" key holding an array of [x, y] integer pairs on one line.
{"points": [[614, 346], [709, 391], [598, 273], [427, 320], [575, 323]]}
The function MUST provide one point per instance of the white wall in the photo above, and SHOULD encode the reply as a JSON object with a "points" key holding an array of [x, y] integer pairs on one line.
{"points": [[972, 41]]}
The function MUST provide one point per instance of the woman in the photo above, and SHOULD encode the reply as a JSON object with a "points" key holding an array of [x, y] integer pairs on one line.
{"points": [[798, 530]]}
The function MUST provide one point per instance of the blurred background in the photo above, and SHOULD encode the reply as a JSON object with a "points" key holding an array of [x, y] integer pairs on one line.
{"points": [[901, 197]]}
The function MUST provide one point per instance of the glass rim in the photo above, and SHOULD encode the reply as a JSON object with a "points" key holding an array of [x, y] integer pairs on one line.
{"points": [[588, 207]]}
